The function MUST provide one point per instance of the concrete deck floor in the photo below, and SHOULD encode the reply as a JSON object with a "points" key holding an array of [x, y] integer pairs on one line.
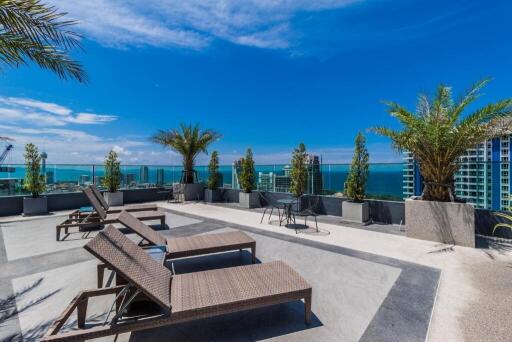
{"points": [[368, 285]]}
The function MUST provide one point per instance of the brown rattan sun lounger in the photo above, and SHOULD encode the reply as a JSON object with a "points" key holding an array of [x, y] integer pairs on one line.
{"points": [[179, 247], [99, 217], [180, 298], [110, 210]]}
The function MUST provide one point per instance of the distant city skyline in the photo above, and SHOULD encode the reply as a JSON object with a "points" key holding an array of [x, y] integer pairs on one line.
{"points": [[266, 75]]}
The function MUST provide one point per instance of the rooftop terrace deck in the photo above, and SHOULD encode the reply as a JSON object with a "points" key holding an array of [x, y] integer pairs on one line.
{"points": [[369, 283]]}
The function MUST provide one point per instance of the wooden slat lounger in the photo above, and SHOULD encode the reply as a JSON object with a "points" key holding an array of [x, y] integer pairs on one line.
{"points": [[112, 210], [181, 298], [187, 246], [100, 217]]}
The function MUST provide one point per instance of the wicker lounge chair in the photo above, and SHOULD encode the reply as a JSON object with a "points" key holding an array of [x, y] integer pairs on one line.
{"points": [[99, 217], [180, 298], [112, 210], [187, 246]]}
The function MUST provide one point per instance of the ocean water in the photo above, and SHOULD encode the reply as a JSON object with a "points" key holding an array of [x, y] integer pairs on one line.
{"points": [[385, 180]]}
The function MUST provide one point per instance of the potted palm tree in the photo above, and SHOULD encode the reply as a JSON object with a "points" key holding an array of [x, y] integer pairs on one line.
{"points": [[213, 193], [437, 135], [34, 183], [355, 208], [189, 141], [247, 198], [112, 180]]}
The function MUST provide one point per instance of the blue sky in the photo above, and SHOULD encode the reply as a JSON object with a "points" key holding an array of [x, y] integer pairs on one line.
{"points": [[265, 74]]}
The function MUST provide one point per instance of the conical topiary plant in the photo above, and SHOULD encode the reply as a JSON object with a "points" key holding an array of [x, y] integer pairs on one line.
{"points": [[299, 171], [358, 175], [34, 181], [112, 180], [213, 171], [247, 174]]}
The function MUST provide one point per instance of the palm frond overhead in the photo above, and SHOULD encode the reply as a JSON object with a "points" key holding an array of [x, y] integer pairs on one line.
{"points": [[31, 31]]}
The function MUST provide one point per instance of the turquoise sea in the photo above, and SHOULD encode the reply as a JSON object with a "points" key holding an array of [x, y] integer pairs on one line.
{"points": [[385, 179]]}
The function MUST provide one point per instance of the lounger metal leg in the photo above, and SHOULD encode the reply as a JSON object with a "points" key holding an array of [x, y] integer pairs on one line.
{"points": [[307, 310], [316, 224], [253, 251], [101, 273], [58, 234], [262, 216], [81, 311], [270, 216]]}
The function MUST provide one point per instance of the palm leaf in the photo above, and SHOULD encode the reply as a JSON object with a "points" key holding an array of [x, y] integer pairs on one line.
{"points": [[33, 31]]}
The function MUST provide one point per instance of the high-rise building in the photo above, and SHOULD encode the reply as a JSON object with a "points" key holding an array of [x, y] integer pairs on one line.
{"points": [[314, 186], [50, 178], [129, 179], [160, 177], [266, 181], [44, 155], [98, 180], [84, 180], [482, 179], [144, 174]]}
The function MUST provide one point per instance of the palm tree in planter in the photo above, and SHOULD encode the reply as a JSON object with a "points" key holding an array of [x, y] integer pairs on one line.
{"points": [[356, 209], [112, 179], [213, 193], [247, 198], [34, 183], [437, 135], [189, 141]]}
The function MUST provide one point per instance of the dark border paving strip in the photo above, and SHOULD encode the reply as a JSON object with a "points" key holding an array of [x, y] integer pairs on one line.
{"points": [[405, 313], [397, 319]]}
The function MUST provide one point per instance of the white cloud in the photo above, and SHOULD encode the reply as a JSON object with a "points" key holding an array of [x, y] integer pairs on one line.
{"points": [[39, 113], [91, 119], [121, 150], [193, 23], [35, 105]]}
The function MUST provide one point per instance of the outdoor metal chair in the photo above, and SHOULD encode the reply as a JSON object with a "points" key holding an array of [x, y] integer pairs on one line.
{"points": [[268, 201], [306, 206], [178, 192]]}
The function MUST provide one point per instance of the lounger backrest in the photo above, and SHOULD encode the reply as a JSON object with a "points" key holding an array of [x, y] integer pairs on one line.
{"points": [[99, 196], [146, 232], [133, 264], [95, 203]]}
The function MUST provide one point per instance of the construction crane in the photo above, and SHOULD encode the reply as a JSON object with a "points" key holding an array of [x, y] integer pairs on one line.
{"points": [[3, 156]]}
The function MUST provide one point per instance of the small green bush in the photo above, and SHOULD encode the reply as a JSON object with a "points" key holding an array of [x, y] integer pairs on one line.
{"points": [[299, 171], [358, 175], [213, 171], [34, 181], [112, 179], [247, 174]]}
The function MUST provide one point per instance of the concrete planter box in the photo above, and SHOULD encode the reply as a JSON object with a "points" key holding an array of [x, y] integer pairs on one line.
{"points": [[214, 195], [35, 206], [114, 198], [249, 200], [193, 191], [446, 222], [355, 212]]}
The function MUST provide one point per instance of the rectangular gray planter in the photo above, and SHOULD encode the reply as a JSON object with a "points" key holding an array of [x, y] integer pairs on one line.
{"points": [[35, 206], [193, 191], [249, 200], [211, 196], [446, 222], [114, 198], [355, 212]]}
